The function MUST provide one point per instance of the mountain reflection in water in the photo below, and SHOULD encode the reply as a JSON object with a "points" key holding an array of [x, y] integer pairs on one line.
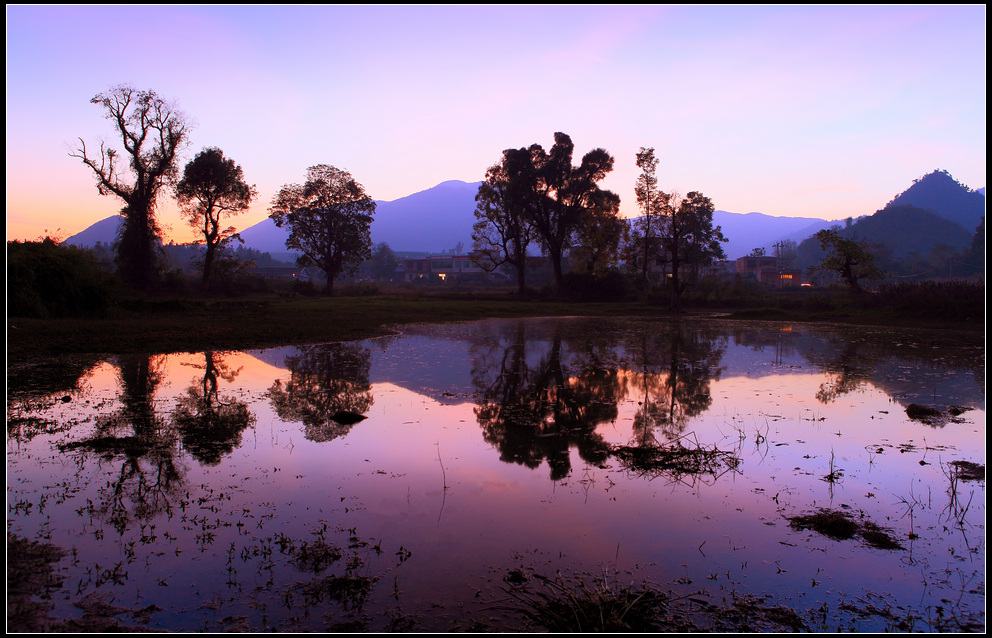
{"points": [[394, 483]]}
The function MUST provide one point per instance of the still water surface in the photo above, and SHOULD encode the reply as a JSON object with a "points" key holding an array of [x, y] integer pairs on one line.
{"points": [[405, 482]]}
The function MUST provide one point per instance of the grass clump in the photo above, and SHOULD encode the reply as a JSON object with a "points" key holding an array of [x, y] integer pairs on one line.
{"points": [[573, 605], [923, 413], [968, 471], [676, 460], [840, 526]]}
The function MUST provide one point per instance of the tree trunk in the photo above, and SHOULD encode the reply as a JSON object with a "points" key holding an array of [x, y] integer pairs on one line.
{"points": [[676, 290], [520, 261], [208, 260]]}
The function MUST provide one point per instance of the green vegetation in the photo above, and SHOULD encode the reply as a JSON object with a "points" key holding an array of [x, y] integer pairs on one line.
{"points": [[152, 133], [61, 300], [213, 187], [45, 280]]}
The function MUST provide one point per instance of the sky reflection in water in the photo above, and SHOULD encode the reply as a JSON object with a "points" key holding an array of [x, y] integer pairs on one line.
{"points": [[205, 483]]}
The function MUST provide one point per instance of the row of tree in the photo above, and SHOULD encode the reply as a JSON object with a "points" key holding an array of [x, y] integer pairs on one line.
{"points": [[537, 196], [329, 216], [153, 133], [531, 197]]}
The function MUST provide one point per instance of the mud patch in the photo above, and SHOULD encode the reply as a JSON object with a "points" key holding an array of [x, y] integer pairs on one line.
{"points": [[31, 577]]}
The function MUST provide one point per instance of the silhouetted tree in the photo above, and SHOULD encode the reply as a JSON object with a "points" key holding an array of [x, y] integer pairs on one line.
{"points": [[596, 241], [150, 476], [689, 236], [382, 264], [846, 258], [564, 195], [213, 186], [505, 199], [153, 132], [645, 234], [537, 413], [678, 391], [329, 219], [976, 252]]}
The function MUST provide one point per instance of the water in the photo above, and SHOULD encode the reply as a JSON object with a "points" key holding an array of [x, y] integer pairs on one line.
{"points": [[245, 490]]}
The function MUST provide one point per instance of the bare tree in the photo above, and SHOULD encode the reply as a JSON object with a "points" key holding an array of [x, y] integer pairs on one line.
{"points": [[153, 132]]}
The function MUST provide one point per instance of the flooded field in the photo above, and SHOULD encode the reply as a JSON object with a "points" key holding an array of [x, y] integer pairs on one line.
{"points": [[506, 475]]}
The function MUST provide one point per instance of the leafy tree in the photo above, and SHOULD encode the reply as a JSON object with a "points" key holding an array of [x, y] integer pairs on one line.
{"points": [[502, 231], [596, 242], [383, 262], [645, 235], [689, 237], [213, 186], [846, 258], [152, 132], [564, 195], [329, 219], [785, 251]]}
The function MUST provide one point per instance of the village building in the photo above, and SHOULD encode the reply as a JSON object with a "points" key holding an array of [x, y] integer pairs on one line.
{"points": [[766, 270], [443, 267]]}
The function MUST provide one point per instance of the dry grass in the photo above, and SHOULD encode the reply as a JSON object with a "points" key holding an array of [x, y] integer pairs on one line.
{"points": [[677, 460]]}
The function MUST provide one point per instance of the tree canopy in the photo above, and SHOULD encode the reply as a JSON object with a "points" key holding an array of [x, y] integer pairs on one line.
{"points": [[329, 219], [846, 258], [690, 237], [565, 194], [213, 186], [505, 199], [152, 132], [645, 234], [542, 192]]}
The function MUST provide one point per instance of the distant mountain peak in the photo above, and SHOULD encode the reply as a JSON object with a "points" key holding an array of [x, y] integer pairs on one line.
{"points": [[457, 183], [940, 193]]}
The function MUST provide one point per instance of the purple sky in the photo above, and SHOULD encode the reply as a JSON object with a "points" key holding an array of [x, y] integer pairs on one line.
{"points": [[824, 111]]}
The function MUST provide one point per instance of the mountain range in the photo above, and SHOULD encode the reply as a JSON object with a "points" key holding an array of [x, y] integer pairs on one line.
{"points": [[440, 219], [936, 210]]}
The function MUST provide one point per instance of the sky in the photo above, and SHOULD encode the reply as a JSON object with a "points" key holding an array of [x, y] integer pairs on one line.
{"points": [[804, 111]]}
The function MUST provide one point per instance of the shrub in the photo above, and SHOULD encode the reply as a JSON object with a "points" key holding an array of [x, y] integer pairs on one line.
{"points": [[45, 279]]}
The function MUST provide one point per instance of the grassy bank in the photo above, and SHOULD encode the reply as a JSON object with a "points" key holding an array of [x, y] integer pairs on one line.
{"points": [[192, 324]]}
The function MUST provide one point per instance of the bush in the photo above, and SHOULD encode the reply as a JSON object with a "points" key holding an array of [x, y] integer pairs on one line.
{"points": [[45, 279]]}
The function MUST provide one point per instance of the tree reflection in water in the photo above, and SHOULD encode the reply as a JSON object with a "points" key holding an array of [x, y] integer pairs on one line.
{"points": [[539, 397], [211, 425], [328, 390], [536, 413], [672, 375], [150, 478]]}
